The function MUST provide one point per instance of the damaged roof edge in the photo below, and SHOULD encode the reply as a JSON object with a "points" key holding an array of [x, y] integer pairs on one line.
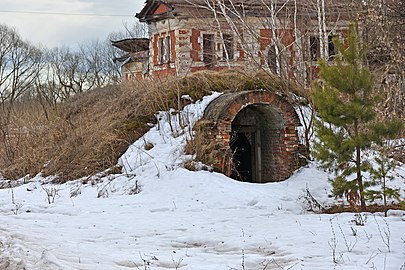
{"points": [[147, 13], [132, 45]]}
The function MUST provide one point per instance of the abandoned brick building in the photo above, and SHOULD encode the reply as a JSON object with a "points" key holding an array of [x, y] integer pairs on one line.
{"points": [[135, 60], [284, 37]]}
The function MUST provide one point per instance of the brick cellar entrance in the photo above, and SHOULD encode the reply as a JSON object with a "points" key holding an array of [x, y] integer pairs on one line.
{"points": [[256, 132], [255, 143]]}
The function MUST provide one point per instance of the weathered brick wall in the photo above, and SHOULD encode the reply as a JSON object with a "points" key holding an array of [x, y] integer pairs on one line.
{"points": [[273, 147], [252, 38], [280, 145]]}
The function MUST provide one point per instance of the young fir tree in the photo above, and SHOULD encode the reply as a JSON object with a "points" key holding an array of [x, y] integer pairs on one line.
{"points": [[345, 100], [380, 176]]}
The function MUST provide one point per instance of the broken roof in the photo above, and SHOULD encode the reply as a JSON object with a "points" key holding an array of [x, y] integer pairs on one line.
{"points": [[161, 9], [132, 57], [132, 45], [152, 10]]}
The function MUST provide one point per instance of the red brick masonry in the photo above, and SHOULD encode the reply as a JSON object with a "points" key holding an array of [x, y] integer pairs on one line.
{"points": [[281, 157]]}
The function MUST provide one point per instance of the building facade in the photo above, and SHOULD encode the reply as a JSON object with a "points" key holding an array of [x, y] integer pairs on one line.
{"points": [[283, 37], [254, 132]]}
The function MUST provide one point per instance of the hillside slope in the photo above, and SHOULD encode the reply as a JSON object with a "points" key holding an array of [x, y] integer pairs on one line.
{"points": [[157, 215]]}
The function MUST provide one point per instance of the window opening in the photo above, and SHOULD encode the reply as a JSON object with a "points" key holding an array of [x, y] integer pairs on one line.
{"points": [[332, 50], [314, 48], [160, 51], [272, 59], [227, 52], [208, 49], [168, 49]]}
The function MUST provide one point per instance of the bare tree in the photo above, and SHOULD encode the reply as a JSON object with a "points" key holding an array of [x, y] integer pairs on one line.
{"points": [[20, 64], [384, 32], [96, 57], [283, 38]]}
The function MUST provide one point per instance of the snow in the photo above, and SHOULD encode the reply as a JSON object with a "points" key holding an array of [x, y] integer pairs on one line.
{"points": [[158, 215]]}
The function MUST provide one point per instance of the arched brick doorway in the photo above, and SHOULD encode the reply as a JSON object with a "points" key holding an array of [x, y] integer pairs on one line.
{"points": [[256, 131]]}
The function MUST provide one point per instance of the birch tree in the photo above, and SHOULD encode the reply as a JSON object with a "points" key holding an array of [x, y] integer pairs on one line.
{"points": [[384, 32], [323, 35]]}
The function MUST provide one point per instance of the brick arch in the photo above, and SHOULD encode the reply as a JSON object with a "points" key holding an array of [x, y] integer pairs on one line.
{"points": [[278, 128], [224, 109]]}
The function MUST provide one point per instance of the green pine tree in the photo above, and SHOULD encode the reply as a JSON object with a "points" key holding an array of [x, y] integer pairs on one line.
{"points": [[345, 99], [380, 176]]}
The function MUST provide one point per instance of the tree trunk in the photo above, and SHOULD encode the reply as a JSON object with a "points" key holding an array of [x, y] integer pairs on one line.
{"points": [[385, 195], [274, 38], [359, 177]]}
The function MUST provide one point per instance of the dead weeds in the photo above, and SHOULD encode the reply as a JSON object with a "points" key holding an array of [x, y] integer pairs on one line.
{"points": [[88, 133], [370, 208]]}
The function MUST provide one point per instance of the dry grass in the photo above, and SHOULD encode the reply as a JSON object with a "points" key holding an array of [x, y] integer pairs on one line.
{"points": [[86, 136], [236, 80], [207, 151], [374, 208], [88, 133], [204, 149]]}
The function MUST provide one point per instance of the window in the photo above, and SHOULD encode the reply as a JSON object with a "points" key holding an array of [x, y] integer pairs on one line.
{"points": [[332, 50], [314, 48], [227, 51], [272, 59], [160, 51], [275, 62], [168, 49], [208, 49]]}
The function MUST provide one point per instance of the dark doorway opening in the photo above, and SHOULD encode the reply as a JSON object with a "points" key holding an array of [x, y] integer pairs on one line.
{"points": [[255, 143], [242, 158], [260, 129]]}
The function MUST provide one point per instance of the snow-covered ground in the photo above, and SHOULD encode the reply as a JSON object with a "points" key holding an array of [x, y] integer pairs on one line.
{"points": [[158, 215]]}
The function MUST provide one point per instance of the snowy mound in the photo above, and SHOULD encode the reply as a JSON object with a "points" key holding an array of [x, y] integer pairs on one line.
{"points": [[158, 215]]}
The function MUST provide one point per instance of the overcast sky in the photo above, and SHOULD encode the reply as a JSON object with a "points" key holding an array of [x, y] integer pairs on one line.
{"points": [[53, 23]]}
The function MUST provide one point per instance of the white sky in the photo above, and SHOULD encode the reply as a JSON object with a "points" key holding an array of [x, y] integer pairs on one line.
{"points": [[33, 24]]}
